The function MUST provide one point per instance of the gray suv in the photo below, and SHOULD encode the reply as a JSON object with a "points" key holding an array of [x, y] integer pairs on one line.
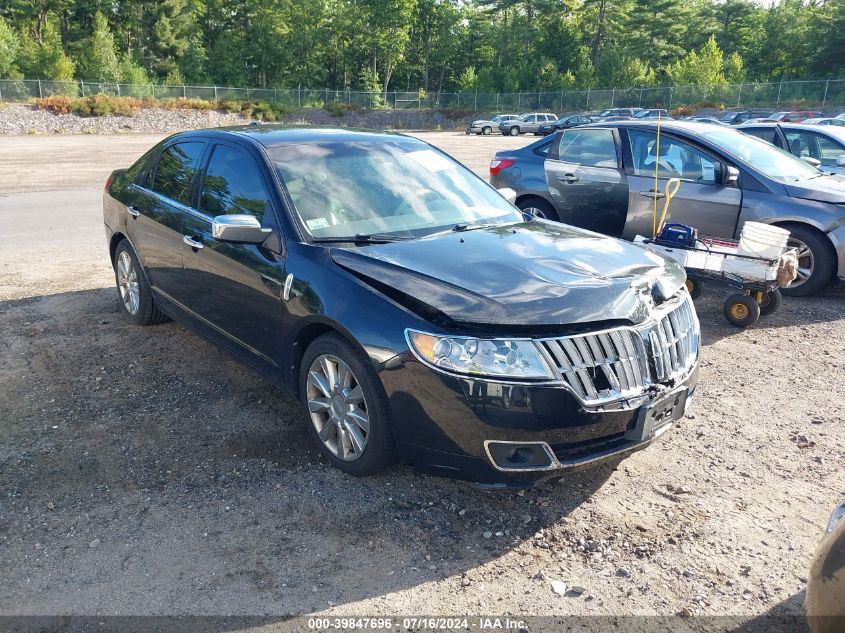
{"points": [[601, 177], [529, 122]]}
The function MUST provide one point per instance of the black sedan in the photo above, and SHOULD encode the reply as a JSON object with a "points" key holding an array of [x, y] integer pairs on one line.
{"points": [[564, 123], [413, 310]]}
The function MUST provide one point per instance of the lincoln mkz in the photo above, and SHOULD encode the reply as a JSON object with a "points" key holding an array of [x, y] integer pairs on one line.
{"points": [[412, 309]]}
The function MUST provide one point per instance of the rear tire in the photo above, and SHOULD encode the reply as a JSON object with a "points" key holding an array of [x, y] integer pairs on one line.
{"points": [[538, 208], [815, 258], [361, 395], [132, 288], [514, 131], [771, 303]]}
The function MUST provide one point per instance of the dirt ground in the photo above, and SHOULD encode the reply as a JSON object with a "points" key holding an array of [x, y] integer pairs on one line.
{"points": [[142, 471]]}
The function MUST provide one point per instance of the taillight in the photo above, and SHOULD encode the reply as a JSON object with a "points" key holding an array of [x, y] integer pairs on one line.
{"points": [[108, 182], [498, 164]]}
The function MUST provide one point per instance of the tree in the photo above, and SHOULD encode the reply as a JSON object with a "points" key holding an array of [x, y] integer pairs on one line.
{"points": [[172, 24], [702, 68], [46, 59], [9, 46], [100, 63], [654, 30]]}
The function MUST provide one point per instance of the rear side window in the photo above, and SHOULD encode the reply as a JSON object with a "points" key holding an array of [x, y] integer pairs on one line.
{"points": [[591, 148], [176, 170], [234, 184], [767, 134]]}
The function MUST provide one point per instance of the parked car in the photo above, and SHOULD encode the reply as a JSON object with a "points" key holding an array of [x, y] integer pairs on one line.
{"points": [[411, 308], [822, 147], [564, 123], [824, 602], [794, 116], [486, 126], [826, 121], [841, 115], [740, 116], [643, 115], [617, 113], [529, 122], [601, 177], [704, 119]]}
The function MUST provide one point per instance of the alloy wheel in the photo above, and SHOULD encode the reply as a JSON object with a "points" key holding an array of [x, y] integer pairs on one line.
{"points": [[806, 261], [537, 213], [338, 408], [127, 283]]}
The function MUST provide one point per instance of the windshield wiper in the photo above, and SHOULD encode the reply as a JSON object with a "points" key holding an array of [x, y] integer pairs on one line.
{"points": [[362, 238], [469, 226]]}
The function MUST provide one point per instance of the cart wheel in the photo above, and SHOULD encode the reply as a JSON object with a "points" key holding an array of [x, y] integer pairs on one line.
{"points": [[741, 310], [694, 288], [771, 302]]}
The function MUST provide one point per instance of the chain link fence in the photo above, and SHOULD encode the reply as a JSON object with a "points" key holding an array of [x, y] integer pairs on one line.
{"points": [[786, 94]]}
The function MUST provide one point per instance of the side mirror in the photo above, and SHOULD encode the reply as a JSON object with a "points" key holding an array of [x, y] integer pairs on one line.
{"points": [[815, 162], [508, 194], [840, 161], [239, 229], [731, 176]]}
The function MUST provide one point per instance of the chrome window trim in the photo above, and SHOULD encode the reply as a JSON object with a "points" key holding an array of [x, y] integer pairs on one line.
{"points": [[180, 205]]}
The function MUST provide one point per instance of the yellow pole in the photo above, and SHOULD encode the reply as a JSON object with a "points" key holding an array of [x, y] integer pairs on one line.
{"points": [[656, 169]]}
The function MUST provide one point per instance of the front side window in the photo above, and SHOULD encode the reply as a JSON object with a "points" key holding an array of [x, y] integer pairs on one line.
{"points": [[176, 169], [402, 186], [234, 185], [765, 157], [591, 148], [815, 146], [673, 159]]}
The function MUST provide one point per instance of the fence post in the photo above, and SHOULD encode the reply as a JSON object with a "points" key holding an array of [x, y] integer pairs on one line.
{"points": [[539, 96], [739, 96], [299, 96], [826, 86], [326, 102], [215, 93], [519, 101], [612, 97], [587, 105], [40, 95], [82, 87], [780, 87], [640, 103], [154, 90], [476, 100], [118, 89], [1, 91], [184, 92], [670, 98], [497, 102]]}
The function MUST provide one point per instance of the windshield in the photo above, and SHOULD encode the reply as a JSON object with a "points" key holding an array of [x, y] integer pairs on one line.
{"points": [[497, 118], [647, 113], [778, 115], [729, 116], [403, 187], [763, 156], [605, 112]]}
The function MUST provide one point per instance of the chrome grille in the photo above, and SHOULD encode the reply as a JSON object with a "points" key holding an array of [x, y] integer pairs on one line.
{"points": [[674, 342], [601, 367]]}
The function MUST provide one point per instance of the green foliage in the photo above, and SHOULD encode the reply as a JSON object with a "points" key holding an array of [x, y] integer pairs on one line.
{"points": [[9, 45], [430, 45]]}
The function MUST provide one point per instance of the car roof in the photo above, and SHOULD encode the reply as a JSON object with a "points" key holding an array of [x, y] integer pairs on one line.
{"points": [[823, 129], [272, 135], [668, 124]]}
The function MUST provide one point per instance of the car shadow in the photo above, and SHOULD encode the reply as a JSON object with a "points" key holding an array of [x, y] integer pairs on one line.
{"points": [[149, 472]]}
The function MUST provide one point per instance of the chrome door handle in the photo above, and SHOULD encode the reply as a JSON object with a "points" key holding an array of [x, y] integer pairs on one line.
{"points": [[133, 211], [652, 194], [568, 178], [192, 242]]}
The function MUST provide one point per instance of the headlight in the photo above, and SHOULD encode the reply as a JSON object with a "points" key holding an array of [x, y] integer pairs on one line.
{"points": [[480, 357]]}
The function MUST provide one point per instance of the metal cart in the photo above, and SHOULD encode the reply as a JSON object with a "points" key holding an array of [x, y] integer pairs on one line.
{"points": [[754, 280]]}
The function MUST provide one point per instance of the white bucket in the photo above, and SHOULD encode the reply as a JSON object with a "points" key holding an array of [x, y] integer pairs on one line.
{"points": [[762, 240]]}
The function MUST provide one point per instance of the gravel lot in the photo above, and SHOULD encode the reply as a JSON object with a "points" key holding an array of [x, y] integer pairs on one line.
{"points": [[143, 471]]}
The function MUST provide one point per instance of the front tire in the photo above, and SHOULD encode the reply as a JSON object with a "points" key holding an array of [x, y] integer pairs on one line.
{"points": [[487, 131], [132, 288], [347, 409], [816, 261]]}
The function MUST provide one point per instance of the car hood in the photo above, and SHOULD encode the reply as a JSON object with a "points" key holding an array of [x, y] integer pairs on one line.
{"points": [[534, 273], [823, 189], [481, 122]]}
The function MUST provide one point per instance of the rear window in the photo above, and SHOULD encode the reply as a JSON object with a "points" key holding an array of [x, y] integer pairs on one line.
{"points": [[176, 170], [591, 148]]}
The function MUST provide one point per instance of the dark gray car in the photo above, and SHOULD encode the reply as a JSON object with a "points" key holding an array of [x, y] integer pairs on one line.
{"points": [[601, 177], [822, 147]]}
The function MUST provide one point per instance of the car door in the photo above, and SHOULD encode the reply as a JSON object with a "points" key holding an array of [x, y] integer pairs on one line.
{"points": [[585, 179], [236, 289], [702, 200], [157, 205]]}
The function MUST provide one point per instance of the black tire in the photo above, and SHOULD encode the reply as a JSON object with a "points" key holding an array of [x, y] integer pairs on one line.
{"points": [[380, 449], [486, 131], [514, 131], [694, 286], [741, 310], [545, 209], [771, 303], [147, 312], [823, 264]]}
